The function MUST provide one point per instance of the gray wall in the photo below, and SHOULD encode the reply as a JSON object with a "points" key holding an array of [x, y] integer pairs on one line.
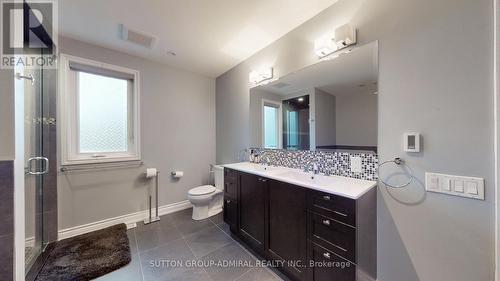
{"points": [[430, 81], [356, 115], [177, 133], [325, 118], [6, 114]]}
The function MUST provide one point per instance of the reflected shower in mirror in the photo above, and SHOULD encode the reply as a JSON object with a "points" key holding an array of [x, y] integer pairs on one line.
{"points": [[296, 123], [331, 105]]}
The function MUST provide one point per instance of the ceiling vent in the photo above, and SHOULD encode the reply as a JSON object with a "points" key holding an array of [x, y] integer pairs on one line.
{"points": [[137, 37], [280, 85]]}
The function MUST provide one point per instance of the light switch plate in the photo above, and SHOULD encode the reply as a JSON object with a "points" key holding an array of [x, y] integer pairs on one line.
{"points": [[356, 165], [446, 184], [468, 187]]}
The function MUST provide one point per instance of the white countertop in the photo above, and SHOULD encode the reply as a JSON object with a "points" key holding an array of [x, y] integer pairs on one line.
{"points": [[342, 186]]}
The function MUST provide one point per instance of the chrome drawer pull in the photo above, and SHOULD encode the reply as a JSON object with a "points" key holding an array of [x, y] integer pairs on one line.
{"points": [[326, 222], [326, 197], [340, 214], [345, 250], [228, 201], [326, 255]]}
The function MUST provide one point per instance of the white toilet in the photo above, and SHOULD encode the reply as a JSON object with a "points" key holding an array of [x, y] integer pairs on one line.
{"points": [[207, 200]]}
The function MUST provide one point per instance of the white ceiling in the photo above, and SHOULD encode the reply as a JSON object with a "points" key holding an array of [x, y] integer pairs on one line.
{"points": [[208, 36], [350, 73]]}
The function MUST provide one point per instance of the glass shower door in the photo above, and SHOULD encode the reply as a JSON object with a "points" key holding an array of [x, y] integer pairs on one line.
{"points": [[36, 165]]}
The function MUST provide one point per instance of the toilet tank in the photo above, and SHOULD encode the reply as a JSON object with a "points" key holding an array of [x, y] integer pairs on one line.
{"points": [[219, 177]]}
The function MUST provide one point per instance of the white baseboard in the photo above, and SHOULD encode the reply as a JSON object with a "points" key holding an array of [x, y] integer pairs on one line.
{"points": [[130, 220]]}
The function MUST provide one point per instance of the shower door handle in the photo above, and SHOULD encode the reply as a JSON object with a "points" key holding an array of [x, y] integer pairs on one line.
{"points": [[45, 167], [29, 77]]}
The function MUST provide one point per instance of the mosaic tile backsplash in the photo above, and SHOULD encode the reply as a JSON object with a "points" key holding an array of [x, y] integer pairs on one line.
{"points": [[336, 163]]}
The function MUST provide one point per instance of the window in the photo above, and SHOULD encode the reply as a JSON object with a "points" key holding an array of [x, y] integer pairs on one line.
{"points": [[271, 124], [99, 112]]}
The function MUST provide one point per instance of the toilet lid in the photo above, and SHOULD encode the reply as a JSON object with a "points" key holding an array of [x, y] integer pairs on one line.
{"points": [[202, 190]]}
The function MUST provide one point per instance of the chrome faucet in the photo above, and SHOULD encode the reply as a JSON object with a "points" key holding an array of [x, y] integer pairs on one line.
{"points": [[265, 162], [315, 168]]}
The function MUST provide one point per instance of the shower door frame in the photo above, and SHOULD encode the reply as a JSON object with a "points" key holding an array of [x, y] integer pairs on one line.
{"points": [[48, 200]]}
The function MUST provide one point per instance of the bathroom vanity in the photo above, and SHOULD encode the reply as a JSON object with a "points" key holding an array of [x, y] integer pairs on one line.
{"points": [[312, 227], [324, 118]]}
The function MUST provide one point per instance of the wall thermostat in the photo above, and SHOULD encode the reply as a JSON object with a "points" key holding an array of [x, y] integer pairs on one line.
{"points": [[412, 142]]}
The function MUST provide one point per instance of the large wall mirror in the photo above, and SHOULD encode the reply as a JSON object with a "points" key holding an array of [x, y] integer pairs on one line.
{"points": [[331, 105]]}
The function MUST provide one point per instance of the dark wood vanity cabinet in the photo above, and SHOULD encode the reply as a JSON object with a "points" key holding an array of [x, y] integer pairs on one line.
{"points": [[287, 227], [231, 199], [342, 231], [252, 199], [316, 235], [231, 212]]}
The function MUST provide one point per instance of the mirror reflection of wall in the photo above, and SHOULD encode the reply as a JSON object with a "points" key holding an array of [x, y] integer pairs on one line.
{"points": [[347, 120], [329, 105]]}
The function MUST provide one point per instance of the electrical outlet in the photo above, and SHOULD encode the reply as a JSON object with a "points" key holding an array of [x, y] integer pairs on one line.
{"points": [[356, 165]]}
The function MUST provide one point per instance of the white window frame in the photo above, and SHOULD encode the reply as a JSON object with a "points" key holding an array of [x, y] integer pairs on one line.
{"points": [[277, 104], [68, 116]]}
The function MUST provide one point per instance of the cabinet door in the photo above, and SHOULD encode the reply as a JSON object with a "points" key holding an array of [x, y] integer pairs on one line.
{"points": [[252, 210], [230, 182], [287, 227], [325, 265]]}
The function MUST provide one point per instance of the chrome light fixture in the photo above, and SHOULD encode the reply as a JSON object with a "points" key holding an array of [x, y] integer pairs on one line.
{"points": [[258, 76], [325, 45], [343, 37]]}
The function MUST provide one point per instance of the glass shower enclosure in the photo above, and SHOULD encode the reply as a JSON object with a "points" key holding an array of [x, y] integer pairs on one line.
{"points": [[37, 86]]}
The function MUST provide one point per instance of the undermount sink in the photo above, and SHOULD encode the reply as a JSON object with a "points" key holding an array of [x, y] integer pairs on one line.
{"points": [[309, 178], [257, 167]]}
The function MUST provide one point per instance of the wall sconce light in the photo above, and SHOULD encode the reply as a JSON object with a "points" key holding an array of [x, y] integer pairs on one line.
{"points": [[325, 45], [343, 37], [261, 75]]}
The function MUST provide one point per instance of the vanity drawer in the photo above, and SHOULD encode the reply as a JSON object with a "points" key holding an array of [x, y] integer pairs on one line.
{"points": [[230, 174], [339, 208], [333, 235], [230, 188], [325, 265]]}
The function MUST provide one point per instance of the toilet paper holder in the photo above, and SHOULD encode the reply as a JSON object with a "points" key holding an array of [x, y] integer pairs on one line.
{"points": [[152, 219], [177, 174]]}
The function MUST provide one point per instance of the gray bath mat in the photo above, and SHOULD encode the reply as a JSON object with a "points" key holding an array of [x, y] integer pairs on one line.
{"points": [[88, 256]]}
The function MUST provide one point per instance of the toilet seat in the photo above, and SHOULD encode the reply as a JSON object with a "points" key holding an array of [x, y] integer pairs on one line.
{"points": [[201, 190]]}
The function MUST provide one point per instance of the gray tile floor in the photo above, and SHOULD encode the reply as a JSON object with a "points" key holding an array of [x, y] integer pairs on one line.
{"points": [[179, 248]]}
